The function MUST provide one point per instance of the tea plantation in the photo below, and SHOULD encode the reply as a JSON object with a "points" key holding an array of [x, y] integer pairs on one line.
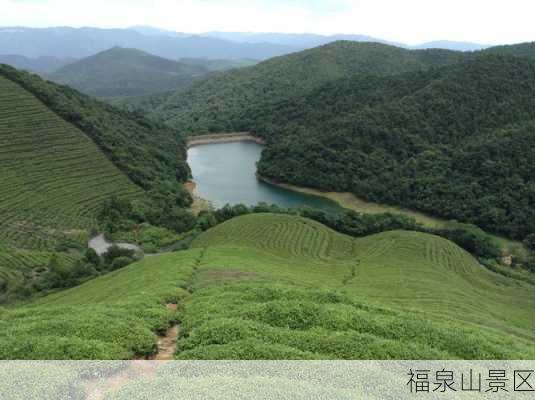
{"points": [[53, 180], [268, 286]]}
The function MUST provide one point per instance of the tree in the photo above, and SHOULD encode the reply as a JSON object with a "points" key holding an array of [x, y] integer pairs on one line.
{"points": [[92, 257], [529, 241]]}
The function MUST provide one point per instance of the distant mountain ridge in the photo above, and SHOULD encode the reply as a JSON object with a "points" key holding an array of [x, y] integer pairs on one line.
{"points": [[40, 65], [63, 42], [127, 72], [309, 40], [304, 40], [452, 45], [67, 42]]}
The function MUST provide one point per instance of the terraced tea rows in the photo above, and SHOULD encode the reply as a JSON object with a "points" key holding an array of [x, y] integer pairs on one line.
{"points": [[112, 317], [248, 292], [53, 176], [286, 237], [18, 265], [408, 270]]}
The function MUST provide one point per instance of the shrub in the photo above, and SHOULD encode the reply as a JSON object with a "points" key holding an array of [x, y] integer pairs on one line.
{"points": [[529, 241], [92, 257], [530, 263], [121, 262], [116, 252]]}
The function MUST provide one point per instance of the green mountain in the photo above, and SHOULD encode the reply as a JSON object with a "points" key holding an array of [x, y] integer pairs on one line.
{"points": [[39, 65], [222, 102], [63, 155], [455, 142], [122, 72], [271, 286], [524, 50], [218, 65]]}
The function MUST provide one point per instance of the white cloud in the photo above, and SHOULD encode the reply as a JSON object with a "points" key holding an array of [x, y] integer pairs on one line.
{"points": [[410, 21]]}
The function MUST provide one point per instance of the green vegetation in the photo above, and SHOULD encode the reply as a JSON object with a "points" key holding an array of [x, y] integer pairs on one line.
{"points": [[442, 132], [64, 156], [268, 286], [222, 103], [455, 142], [150, 154], [53, 175], [112, 317], [152, 239], [120, 72], [53, 181], [218, 65], [391, 295]]}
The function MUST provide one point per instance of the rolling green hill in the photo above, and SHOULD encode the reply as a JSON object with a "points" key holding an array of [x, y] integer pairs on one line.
{"points": [[120, 72], [524, 50], [62, 156], [218, 65], [221, 102], [270, 286]]}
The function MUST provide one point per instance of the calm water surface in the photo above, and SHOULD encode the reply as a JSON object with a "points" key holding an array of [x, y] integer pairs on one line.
{"points": [[225, 174]]}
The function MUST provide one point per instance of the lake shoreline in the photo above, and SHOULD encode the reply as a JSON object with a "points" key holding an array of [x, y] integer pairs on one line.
{"points": [[352, 202], [344, 200], [199, 204], [223, 138]]}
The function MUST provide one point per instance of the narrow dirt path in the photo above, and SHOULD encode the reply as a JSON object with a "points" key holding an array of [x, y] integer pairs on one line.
{"points": [[167, 344]]}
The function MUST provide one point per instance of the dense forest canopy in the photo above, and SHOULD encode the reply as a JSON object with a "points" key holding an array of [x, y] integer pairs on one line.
{"points": [[221, 102]]}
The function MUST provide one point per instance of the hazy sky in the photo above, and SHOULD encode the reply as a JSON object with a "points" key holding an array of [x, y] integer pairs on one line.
{"points": [[410, 21]]}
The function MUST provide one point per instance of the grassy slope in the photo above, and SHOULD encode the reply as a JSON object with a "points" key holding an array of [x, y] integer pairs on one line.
{"points": [[408, 270], [53, 179], [268, 286], [112, 317], [127, 72]]}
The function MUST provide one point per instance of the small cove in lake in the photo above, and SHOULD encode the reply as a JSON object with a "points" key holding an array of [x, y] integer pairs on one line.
{"points": [[225, 173]]}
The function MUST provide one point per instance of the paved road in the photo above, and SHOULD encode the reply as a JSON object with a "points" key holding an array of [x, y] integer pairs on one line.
{"points": [[101, 245]]}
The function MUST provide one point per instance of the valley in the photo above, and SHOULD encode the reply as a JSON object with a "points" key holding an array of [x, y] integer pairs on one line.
{"points": [[367, 201], [227, 174]]}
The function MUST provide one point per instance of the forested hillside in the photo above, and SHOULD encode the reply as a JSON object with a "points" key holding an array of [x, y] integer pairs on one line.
{"points": [[456, 142], [122, 72], [218, 65], [223, 102], [524, 50]]}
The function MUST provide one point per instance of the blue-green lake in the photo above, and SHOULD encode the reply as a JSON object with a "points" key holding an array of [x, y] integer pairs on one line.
{"points": [[225, 173]]}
